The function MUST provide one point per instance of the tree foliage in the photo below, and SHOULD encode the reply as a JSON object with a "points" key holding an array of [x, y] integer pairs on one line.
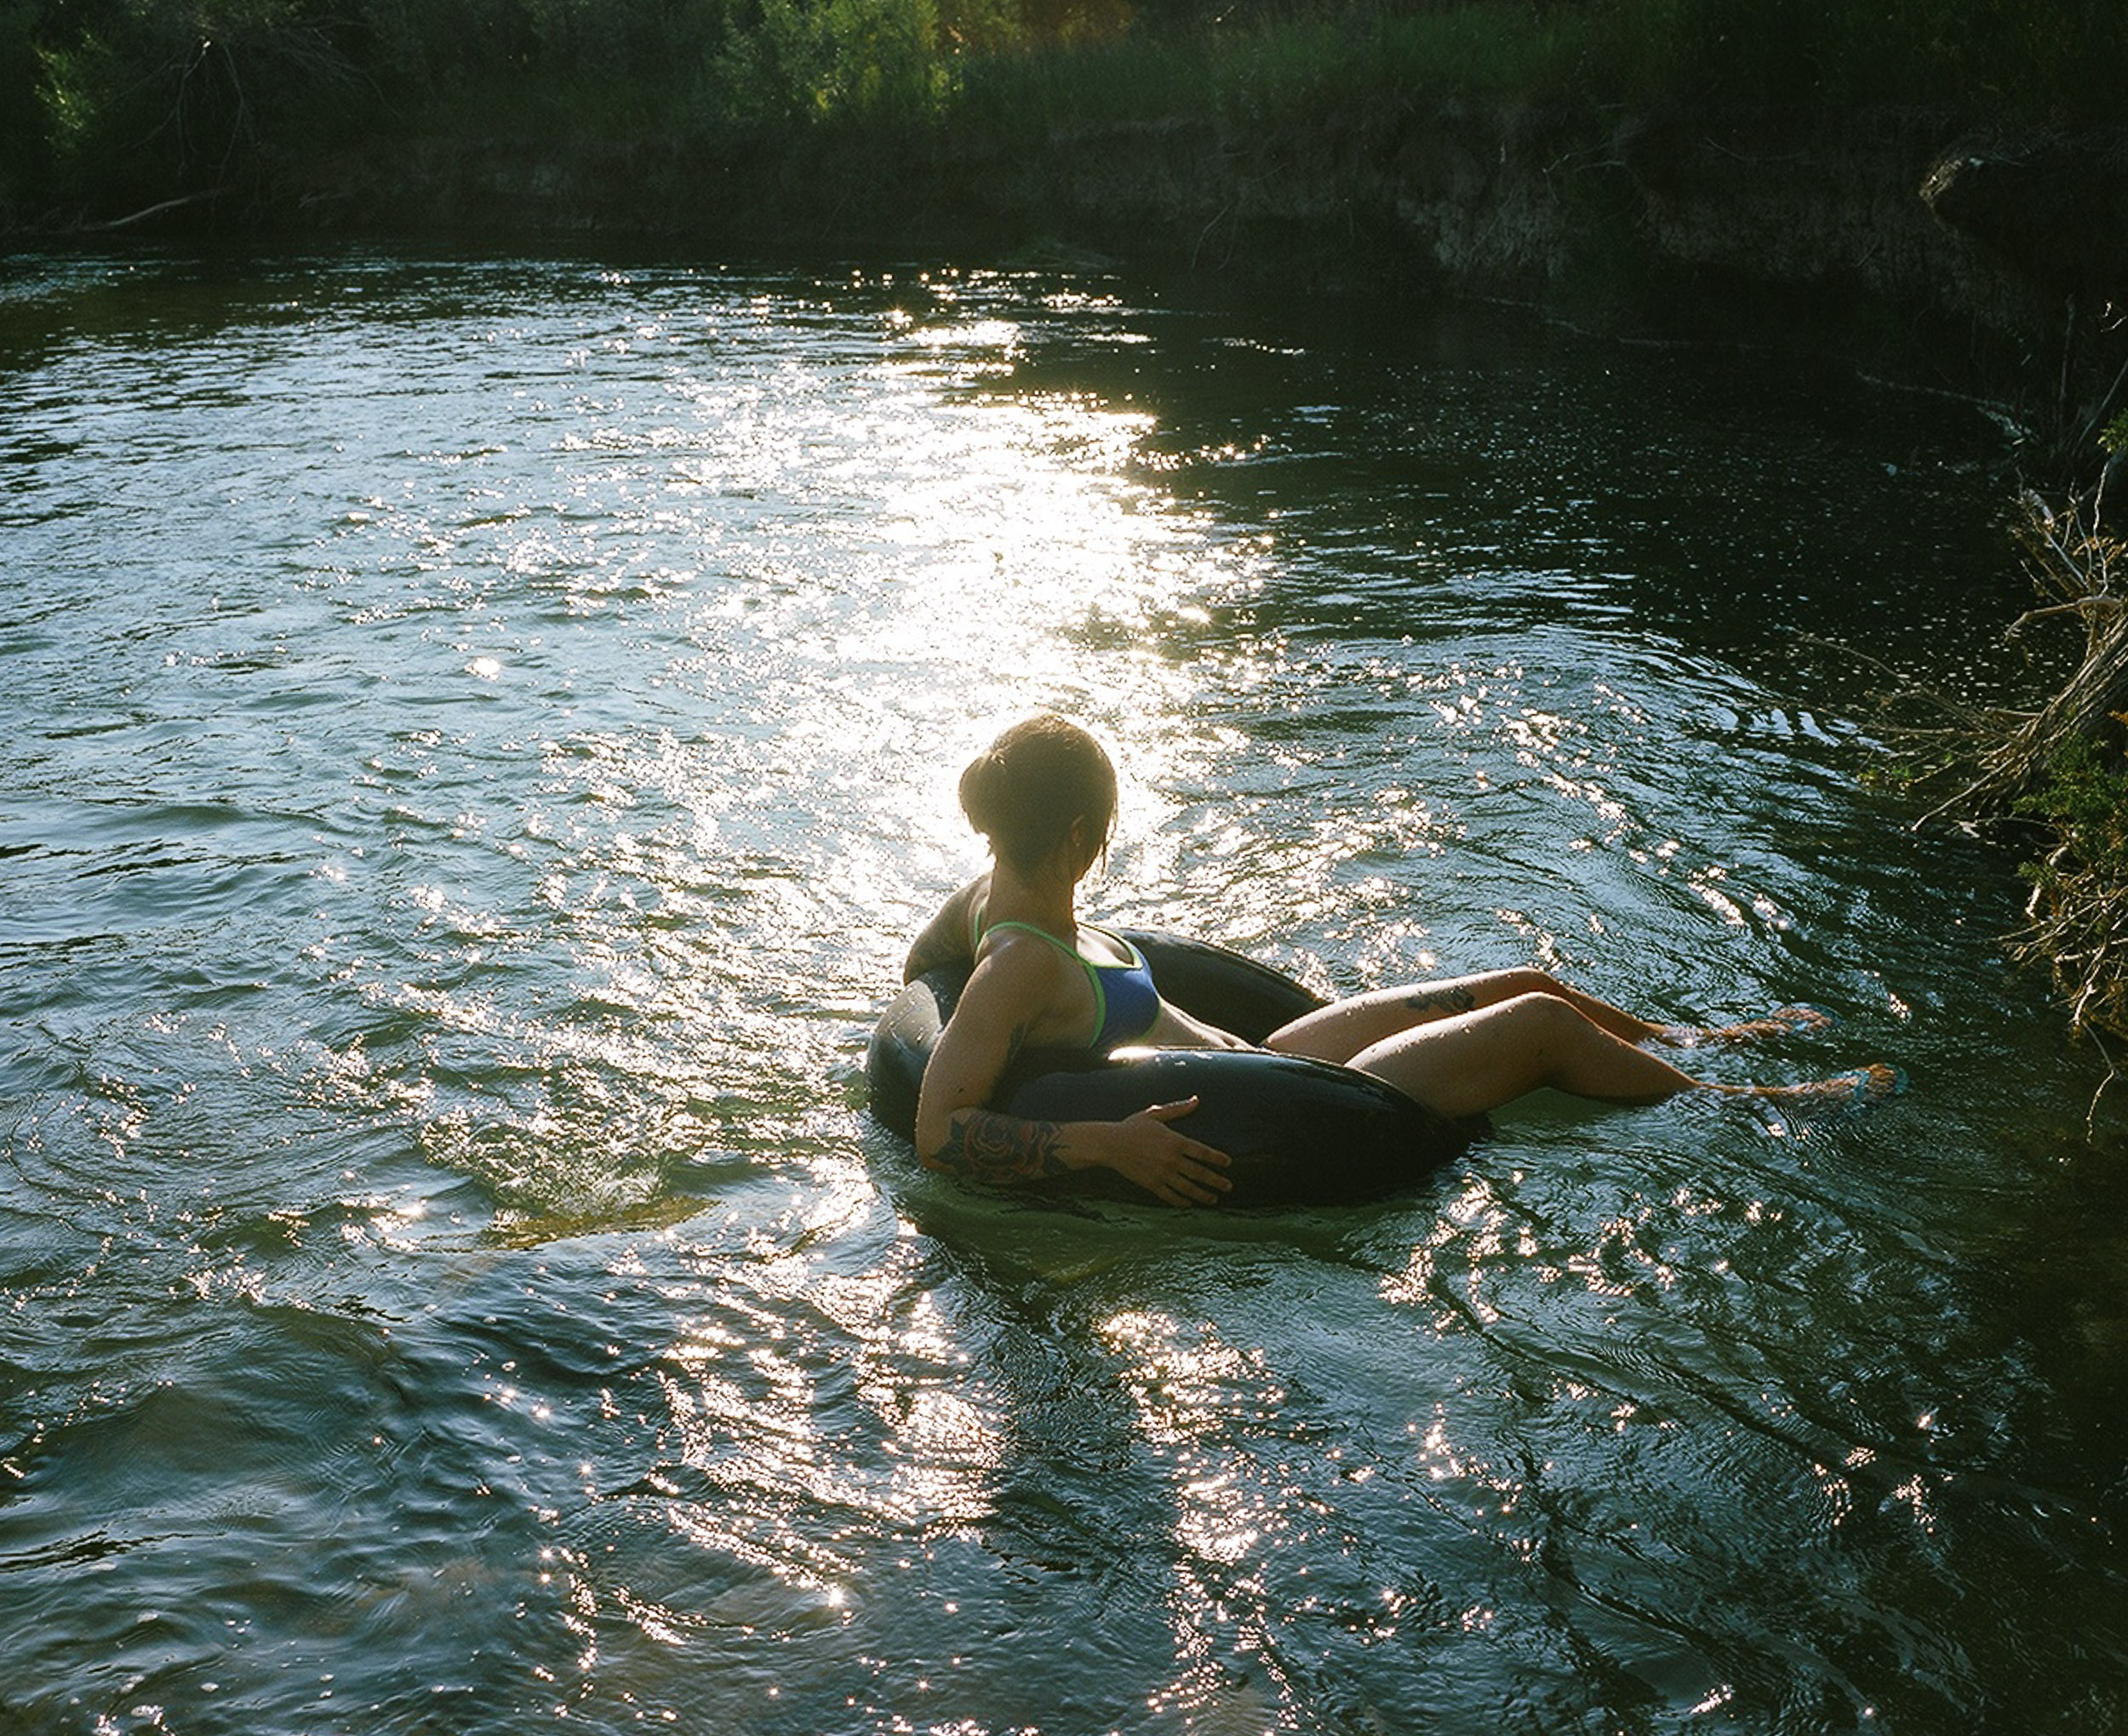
{"points": [[107, 104]]}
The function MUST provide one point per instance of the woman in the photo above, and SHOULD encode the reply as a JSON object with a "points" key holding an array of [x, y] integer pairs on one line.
{"points": [[1044, 796]]}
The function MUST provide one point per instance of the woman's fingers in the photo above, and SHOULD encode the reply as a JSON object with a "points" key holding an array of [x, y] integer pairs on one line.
{"points": [[1187, 1190], [1174, 1168], [1164, 1112], [1193, 1168]]}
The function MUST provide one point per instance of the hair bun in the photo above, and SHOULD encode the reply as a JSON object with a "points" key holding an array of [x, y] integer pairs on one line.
{"points": [[1027, 789], [983, 792]]}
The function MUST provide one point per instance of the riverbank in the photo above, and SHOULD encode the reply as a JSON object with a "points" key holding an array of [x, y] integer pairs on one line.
{"points": [[1625, 162], [1716, 224]]}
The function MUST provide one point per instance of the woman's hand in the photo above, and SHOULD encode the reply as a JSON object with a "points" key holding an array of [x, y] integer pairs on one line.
{"points": [[1169, 1165]]}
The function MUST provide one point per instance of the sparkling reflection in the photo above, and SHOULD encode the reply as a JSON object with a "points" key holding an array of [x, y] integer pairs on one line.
{"points": [[451, 865]]}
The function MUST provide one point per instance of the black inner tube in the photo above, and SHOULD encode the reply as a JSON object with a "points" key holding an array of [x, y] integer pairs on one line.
{"points": [[1298, 1132]]}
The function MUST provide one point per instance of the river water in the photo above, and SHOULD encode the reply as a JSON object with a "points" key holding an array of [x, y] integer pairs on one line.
{"points": [[479, 735]]}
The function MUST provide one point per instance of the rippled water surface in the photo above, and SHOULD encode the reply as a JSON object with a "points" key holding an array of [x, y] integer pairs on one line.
{"points": [[479, 736]]}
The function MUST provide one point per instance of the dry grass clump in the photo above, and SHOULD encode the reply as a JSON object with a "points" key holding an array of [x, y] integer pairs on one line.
{"points": [[2078, 911], [2064, 767], [2055, 777]]}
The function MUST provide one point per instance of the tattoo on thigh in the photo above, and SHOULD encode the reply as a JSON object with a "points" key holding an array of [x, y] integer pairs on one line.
{"points": [[1451, 997]]}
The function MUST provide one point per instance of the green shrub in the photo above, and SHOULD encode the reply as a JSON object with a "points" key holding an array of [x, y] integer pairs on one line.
{"points": [[814, 60], [2084, 798]]}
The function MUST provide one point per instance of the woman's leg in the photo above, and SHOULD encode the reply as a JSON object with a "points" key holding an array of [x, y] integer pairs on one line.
{"points": [[1473, 1062], [1341, 1030]]}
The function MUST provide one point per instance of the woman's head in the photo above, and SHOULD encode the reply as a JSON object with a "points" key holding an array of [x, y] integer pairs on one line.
{"points": [[1033, 784]]}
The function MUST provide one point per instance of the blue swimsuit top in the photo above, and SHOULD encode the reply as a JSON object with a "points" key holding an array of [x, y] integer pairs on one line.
{"points": [[1125, 1003]]}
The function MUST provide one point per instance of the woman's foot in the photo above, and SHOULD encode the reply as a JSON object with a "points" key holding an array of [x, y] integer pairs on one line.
{"points": [[1858, 1089], [1784, 1021]]}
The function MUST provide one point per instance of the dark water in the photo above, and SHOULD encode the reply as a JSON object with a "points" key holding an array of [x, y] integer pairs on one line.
{"points": [[478, 736]]}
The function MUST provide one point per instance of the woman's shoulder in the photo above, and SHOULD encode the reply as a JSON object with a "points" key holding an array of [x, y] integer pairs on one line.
{"points": [[1025, 982], [1020, 951]]}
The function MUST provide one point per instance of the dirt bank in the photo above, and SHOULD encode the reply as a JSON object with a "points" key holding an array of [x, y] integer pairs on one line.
{"points": [[1743, 222], [1611, 216]]}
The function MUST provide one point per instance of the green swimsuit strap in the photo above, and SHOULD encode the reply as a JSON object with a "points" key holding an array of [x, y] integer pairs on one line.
{"points": [[1086, 964]]}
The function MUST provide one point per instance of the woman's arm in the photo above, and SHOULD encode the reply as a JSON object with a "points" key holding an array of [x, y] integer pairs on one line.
{"points": [[958, 1132], [945, 939]]}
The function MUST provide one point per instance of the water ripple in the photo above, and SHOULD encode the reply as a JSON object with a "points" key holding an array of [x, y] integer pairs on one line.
{"points": [[485, 730]]}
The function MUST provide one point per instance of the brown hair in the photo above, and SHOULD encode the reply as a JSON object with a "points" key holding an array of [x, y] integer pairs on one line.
{"points": [[1033, 781]]}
